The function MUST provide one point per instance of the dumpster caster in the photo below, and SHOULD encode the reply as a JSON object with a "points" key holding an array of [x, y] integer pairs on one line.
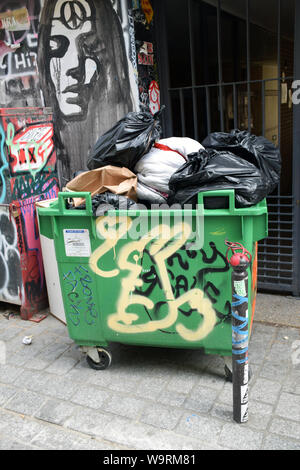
{"points": [[99, 359], [228, 372]]}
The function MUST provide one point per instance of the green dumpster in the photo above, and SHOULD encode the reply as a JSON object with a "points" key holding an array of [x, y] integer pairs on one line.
{"points": [[151, 278]]}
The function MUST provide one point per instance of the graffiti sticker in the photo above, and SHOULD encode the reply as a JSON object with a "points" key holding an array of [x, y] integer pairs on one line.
{"points": [[154, 97], [16, 20]]}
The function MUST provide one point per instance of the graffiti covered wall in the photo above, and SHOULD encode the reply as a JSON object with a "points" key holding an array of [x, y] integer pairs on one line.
{"points": [[28, 156], [10, 267], [82, 59], [148, 82], [28, 174], [19, 83], [90, 61], [22, 279], [84, 74]]}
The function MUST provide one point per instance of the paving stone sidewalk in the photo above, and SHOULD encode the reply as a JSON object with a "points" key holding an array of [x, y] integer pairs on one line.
{"points": [[153, 399]]}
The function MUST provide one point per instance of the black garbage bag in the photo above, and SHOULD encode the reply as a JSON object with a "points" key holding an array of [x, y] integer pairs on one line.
{"points": [[127, 141], [210, 170], [255, 149], [101, 203], [248, 164]]}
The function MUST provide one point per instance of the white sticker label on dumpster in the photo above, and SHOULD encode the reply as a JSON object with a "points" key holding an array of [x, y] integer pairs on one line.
{"points": [[77, 243]]}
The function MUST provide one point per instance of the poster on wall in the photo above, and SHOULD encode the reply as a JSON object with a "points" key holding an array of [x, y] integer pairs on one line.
{"points": [[16, 20]]}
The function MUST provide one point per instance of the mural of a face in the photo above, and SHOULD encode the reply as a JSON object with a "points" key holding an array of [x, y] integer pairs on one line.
{"points": [[81, 49], [84, 75], [73, 61]]}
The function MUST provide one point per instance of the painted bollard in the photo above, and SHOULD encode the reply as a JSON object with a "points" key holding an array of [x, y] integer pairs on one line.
{"points": [[240, 262]]}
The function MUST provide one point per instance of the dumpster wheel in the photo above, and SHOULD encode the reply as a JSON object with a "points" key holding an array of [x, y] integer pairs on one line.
{"points": [[228, 373], [105, 359]]}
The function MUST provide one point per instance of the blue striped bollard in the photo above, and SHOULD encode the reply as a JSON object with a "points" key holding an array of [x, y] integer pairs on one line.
{"points": [[240, 262]]}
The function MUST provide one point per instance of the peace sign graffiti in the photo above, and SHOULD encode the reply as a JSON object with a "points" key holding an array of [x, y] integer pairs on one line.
{"points": [[73, 14]]}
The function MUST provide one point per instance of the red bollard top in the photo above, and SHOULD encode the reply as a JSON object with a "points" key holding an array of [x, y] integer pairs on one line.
{"points": [[240, 256]]}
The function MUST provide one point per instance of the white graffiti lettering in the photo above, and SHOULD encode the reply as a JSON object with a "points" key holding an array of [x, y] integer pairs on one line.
{"points": [[10, 270]]}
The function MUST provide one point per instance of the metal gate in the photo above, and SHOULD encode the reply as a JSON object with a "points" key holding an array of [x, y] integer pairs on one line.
{"points": [[198, 104]]}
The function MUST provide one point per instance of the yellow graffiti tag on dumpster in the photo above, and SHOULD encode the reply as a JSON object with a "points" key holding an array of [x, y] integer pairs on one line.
{"points": [[163, 241]]}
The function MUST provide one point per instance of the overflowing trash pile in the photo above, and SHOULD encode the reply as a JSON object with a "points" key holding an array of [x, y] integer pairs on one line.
{"points": [[130, 165]]}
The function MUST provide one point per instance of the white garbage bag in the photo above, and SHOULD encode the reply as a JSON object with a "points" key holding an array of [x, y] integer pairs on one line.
{"points": [[155, 168], [145, 193]]}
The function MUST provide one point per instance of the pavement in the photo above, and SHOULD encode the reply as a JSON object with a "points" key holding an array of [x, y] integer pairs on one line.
{"points": [[150, 398]]}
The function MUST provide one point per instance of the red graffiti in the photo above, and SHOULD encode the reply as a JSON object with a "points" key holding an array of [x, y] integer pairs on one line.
{"points": [[31, 148], [28, 147], [154, 97], [145, 55]]}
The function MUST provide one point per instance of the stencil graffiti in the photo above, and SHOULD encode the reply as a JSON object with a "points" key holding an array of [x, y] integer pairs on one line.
{"points": [[148, 262], [10, 269], [154, 97]]}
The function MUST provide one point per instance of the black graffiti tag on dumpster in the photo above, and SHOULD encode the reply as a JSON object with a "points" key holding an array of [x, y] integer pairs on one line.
{"points": [[186, 281], [80, 302]]}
